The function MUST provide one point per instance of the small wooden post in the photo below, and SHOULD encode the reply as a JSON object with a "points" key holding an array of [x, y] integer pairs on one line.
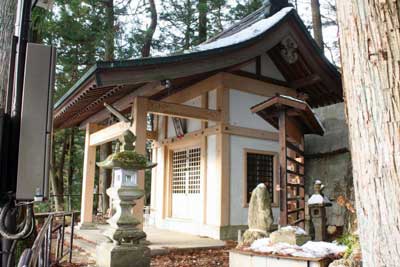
{"points": [[89, 167], [283, 169], [139, 128]]}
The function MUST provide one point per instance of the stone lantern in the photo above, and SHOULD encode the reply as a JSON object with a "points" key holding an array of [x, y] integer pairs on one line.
{"points": [[317, 205], [126, 245]]}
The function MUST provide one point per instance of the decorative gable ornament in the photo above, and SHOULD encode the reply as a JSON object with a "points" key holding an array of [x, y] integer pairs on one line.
{"points": [[289, 50]]}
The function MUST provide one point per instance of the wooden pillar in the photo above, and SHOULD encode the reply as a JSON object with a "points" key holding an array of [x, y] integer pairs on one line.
{"points": [[89, 167], [139, 128], [223, 157], [203, 164], [283, 169]]}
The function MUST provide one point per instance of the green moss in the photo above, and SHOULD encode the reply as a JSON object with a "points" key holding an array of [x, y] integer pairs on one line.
{"points": [[126, 160], [351, 241]]}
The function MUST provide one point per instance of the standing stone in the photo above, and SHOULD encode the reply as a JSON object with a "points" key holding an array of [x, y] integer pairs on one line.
{"points": [[260, 217], [292, 235]]}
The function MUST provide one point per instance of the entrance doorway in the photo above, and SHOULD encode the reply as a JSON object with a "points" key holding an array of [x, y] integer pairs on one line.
{"points": [[186, 183]]}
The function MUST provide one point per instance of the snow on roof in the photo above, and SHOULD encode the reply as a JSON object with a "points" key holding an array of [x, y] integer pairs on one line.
{"points": [[248, 33], [318, 199], [304, 102]]}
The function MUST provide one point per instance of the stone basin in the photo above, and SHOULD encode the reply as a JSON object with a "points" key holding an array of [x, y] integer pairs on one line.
{"points": [[240, 258]]}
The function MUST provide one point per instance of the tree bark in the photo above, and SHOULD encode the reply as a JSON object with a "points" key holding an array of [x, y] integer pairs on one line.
{"points": [[369, 41], [59, 175], [110, 31], [317, 24], [188, 26], [70, 173], [7, 21], [148, 39], [202, 6]]}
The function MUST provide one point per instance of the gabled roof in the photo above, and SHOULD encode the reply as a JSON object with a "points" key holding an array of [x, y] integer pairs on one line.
{"points": [[305, 117], [243, 41]]}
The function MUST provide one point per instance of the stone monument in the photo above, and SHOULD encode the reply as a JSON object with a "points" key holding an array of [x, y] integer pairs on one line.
{"points": [[127, 243], [260, 217], [317, 204]]}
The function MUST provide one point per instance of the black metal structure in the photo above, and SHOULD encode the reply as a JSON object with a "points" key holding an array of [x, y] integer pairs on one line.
{"points": [[40, 255]]}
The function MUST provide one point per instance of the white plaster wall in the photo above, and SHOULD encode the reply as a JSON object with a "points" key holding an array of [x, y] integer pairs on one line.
{"points": [[240, 114], [268, 68], [212, 182], [251, 67], [212, 104], [238, 214], [191, 125]]}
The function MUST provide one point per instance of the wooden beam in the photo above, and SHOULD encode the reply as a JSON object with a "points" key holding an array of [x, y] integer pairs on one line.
{"points": [[223, 157], [283, 168], [139, 115], [182, 111], [189, 136], [251, 133], [254, 86], [89, 167], [113, 132], [109, 134], [196, 90]]}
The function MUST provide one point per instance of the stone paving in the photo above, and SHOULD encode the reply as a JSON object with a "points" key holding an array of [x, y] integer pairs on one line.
{"points": [[160, 241]]}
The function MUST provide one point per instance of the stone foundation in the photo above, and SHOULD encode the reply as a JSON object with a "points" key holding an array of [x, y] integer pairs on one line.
{"points": [[111, 255]]}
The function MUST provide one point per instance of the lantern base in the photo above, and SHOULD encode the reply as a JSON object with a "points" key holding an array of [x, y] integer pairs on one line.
{"points": [[111, 255]]}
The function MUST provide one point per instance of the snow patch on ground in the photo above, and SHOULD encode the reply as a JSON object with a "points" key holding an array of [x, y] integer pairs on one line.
{"points": [[253, 31], [308, 250]]}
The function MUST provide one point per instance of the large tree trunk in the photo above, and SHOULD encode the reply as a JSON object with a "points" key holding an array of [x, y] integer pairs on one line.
{"points": [[369, 40], [7, 21], [110, 33], [148, 39], [58, 175], [70, 173], [317, 24]]}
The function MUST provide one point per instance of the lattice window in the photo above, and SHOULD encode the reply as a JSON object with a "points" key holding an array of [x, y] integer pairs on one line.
{"points": [[179, 172], [186, 171], [194, 171], [260, 169]]}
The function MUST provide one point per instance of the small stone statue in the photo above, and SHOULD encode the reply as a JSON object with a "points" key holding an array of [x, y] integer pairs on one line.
{"points": [[317, 204], [260, 217]]}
